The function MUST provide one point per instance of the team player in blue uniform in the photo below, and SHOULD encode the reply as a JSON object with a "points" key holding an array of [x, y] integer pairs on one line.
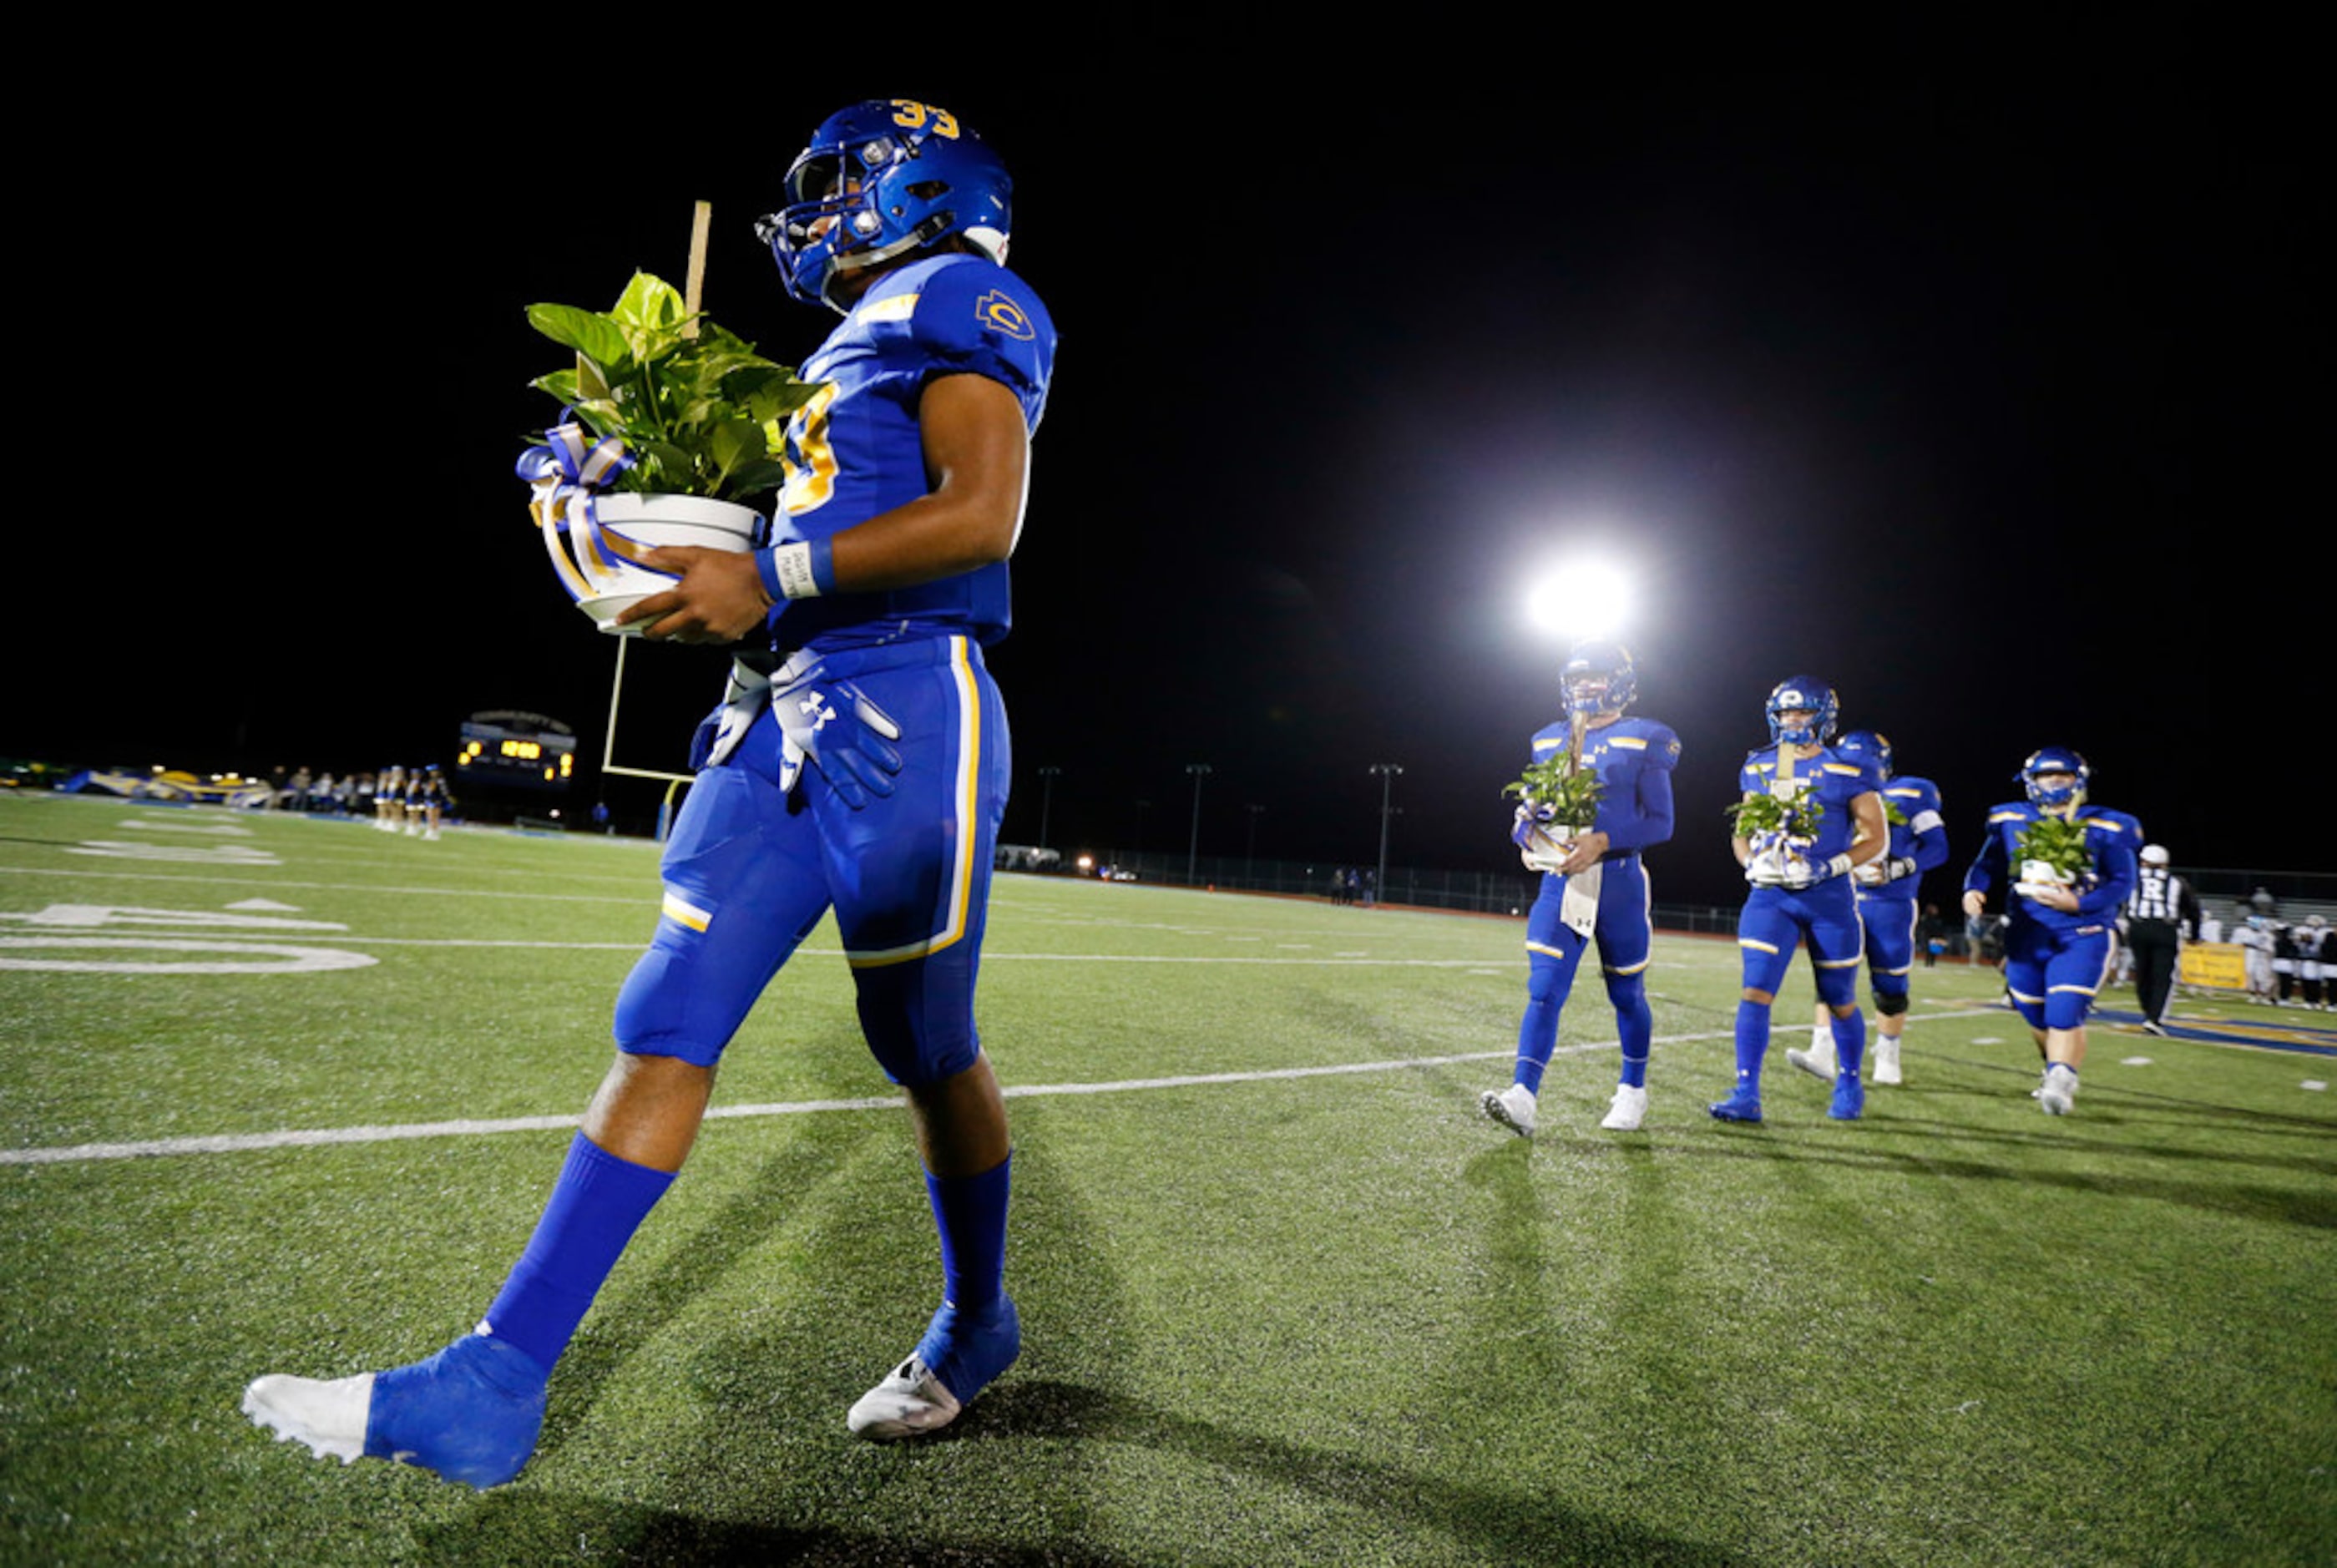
{"points": [[1887, 911], [2061, 936], [858, 763], [1593, 886], [1802, 888]]}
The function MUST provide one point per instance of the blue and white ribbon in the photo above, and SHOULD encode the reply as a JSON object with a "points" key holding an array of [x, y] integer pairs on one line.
{"points": [[566, 475]]}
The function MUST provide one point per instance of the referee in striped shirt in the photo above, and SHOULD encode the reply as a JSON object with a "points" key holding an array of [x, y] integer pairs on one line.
{"points": [[2160, 913]]}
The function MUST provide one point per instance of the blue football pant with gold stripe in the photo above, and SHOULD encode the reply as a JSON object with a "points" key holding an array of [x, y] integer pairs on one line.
{"points": [[1553, 950], [1890, 928], [748, 871], [1776, 921], [2055, 975]]}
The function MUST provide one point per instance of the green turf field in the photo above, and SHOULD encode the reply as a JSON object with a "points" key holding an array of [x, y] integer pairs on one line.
{"points": [[1287, 1296]]}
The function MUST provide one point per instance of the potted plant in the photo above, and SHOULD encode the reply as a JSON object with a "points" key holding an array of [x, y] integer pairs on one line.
{"points": [[1777, 828], [2053, 854], [668, 422], [1563, 801]]}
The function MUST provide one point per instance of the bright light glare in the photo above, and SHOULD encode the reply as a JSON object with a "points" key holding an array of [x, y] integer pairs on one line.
{"points": [[1584, 599]]}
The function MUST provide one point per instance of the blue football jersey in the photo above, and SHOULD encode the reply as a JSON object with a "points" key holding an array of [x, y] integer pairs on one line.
{"points": [[1917, 833], [854, 450], [2113, 838], [1633, 758], [1829, 778]]}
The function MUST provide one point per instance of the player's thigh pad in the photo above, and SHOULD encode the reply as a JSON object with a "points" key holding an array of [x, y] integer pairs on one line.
{"points": [[1766, 934], [910, 875], [2073, 973], [1889, 926], [743, 887], [1625, 930], [1553, 947], [1837, 944], [2027, 948]]}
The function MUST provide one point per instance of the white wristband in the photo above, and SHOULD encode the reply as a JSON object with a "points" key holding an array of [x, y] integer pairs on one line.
{"points": [[791, 564]]}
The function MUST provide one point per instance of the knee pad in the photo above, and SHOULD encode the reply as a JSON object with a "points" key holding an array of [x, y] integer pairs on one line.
{"points": [[1838, 988], [1890, 1003], [917, 1036], [1550, 975], [2066, 1009], [659, 1013]]}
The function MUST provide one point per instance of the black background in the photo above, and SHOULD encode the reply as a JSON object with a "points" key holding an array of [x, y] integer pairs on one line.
{"points": [[1984, 387]]}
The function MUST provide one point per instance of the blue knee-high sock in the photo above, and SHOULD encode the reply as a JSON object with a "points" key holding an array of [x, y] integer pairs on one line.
{"points": [[598, 1204], [1550, 976], [970, 1211], [1751, 1043], [1537, 1038], [1635, 1027], [1849, 1043]]}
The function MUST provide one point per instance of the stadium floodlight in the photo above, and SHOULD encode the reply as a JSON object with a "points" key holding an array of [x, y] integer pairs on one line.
{"points": [[1587, 598]]}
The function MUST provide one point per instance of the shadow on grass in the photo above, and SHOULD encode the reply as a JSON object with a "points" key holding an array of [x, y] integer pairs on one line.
{"points": [[544, 1526], [1503, 1525], [635, 1306], [1795, 1144]]}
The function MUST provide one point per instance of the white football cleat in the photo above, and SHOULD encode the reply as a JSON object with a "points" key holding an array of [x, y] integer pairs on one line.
{"points": [[1817, 1060], [1630, 1109], [1513, 1108], [912, 1400], [1886, 1060], [2058, 1091], [328, 1417]]}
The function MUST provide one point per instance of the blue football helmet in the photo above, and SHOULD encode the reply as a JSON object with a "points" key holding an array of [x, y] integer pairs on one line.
{"points": [[1808, 694], [1867, 746], [2055, 759], [879, 181], [1599, 678]]}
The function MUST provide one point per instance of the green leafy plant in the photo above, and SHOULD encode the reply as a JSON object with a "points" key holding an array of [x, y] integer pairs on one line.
{"points": [[1761, 815], [699, 412], [1572, 796], [2058, 843]]}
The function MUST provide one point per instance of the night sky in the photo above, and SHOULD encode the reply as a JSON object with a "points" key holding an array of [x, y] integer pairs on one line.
{"points": [[1987, 393]]}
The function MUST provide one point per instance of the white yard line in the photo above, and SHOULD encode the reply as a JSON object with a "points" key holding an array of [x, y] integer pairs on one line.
{"points": [[244, 1142]]}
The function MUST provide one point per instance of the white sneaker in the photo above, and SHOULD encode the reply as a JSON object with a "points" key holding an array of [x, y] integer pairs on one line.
{"points": [[1513, 1108], [1817, 1060], [912, 1400], [1886, 1059], [1630, 1109], [330, 1417], [2058, 1091]]}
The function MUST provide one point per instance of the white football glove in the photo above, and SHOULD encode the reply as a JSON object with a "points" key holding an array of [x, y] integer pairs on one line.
{"points": [[1801, 874], [834, 724], [742, 704], [1882, 869]]}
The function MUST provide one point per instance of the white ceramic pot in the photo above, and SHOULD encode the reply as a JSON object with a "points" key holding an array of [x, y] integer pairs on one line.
{"points": [[604, 584]]}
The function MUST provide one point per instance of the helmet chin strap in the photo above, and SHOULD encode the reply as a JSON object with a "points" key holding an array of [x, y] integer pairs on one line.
{"points": [[917, 238]]}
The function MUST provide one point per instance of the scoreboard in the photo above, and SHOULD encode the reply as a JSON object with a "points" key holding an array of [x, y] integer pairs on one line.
{"points": [[525, 749]]}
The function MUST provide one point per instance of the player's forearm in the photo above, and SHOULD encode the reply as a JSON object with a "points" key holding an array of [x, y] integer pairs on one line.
{"points": [[1647, 822], [928, 539], [1931, 847], [1873, 836]]}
